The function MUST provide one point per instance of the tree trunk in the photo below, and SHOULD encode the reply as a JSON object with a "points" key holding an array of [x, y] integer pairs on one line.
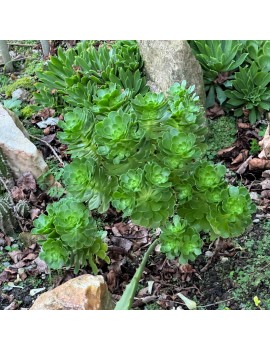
{"points": [[45, 47], [6, 56]]}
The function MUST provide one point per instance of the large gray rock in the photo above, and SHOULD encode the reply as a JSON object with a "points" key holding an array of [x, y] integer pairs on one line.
{"points": [[21, 154], [170, 61], [86, 292]]}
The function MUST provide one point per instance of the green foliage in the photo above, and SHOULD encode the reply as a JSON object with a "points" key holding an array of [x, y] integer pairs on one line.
{"points": [[259, 51], [149, 157], [250, 92], [28, 111], [254, 147], [33, 64], [218, 57], [51, 180], [178, 239], [141, 154], [251, 277], [13, 105], [72, 236], [126, 300], [24, 82], [74, 76]]}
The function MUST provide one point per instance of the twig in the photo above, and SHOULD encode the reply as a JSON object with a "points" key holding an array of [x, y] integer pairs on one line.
{"points": [[13, 204], [216, 303], [19, 44], [52, 149]]}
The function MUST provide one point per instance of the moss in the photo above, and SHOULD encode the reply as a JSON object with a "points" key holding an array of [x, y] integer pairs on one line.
{"points": [[222, 134], [251, 277], [27, 111], [24, 82]]}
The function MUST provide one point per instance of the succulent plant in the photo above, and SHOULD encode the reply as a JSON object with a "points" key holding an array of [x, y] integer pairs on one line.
{"points": [[139, 151], [8, 222], [5, 172], [23, 208], [216, 58], [73, 78], [250, 92], [178, 239], [71, 235]]}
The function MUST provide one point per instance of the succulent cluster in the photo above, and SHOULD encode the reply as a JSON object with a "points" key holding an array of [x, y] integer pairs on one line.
{"points": [[250, 92], [149, 156], [72, 236], [140, 152], [216, 58], [88, 77]]}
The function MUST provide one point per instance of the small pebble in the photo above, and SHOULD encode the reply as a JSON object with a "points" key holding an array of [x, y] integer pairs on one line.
{"points": [[224, 259], [209, 254], [257, 220], [33, 292]]}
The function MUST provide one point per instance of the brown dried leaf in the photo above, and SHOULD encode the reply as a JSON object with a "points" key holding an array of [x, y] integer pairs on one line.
{"points": [[34, 213], [17, 193], [186, 268], [222, 77], [244, 125], [265, 193], [215, 111], [4, 277], [41, 266], [13, 306], [259, 164], [32, 198], [48, 138], [226, 151], [121, 228], [122, 242], [30, 257], [16, 255], [241, 157], [111, 280], [46, 131], [27, 181], [18, 265], [244, 166]]}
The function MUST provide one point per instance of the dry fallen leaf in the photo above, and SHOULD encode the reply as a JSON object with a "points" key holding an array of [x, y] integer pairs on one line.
{"points": [[17, 193], [30, 257], [244, 125], [241, 157], [13, 306], [27, 181], [34, 213], [41, 266], [15, 255], [259, 164]]}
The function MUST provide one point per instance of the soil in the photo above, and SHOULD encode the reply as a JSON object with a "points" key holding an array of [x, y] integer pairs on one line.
{"points": [[228, 274], [214, 288]]}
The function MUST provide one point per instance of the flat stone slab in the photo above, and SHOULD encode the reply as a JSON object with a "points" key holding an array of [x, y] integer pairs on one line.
{"points": [[21, 154]]}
